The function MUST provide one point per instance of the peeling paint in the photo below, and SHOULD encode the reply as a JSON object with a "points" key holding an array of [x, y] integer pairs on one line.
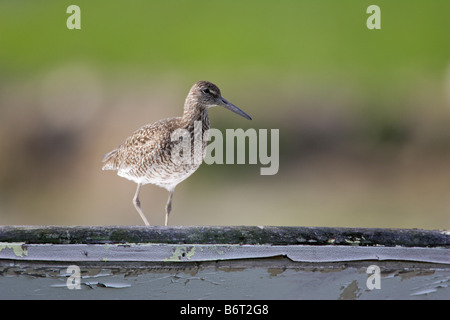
{"points": [[114, 285], [423, 292], [409, 274], [431, 287], [18, 248], [220, 252], [356, 241], [182, 253], [275, 271], [350, 292]]}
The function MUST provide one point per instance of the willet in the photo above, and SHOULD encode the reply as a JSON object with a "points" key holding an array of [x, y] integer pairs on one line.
{"points": [[146, 156]]}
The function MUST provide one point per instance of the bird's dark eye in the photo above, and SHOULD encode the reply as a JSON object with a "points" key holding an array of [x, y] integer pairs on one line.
{"points": [[205, 90]]}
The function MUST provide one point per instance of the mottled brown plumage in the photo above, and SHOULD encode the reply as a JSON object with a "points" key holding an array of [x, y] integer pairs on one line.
{"points": [[147, 155]]}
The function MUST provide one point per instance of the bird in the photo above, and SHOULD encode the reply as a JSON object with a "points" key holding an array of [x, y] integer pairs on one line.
{"points": [[147, 155]]}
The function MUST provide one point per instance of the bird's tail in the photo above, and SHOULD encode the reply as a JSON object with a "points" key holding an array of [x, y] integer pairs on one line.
{"points": [[108, 160]]}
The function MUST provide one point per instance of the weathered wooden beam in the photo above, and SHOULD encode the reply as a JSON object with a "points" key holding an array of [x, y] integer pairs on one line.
{"points": [[242, 235]]}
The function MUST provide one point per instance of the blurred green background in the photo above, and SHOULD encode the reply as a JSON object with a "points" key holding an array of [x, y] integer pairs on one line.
{"points": [[363, 114]]}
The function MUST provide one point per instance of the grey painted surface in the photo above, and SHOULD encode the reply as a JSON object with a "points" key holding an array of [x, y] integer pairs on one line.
{"points": [[265, 279]]}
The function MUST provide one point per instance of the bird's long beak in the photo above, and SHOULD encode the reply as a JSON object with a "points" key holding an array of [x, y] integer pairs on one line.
{"points": [[227, 104]]}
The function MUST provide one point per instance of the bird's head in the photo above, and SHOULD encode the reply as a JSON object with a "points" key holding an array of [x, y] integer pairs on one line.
{"points": [[206, 94]]}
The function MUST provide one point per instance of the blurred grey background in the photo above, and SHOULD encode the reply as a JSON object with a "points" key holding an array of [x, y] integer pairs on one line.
{"points": [[363, 114]]}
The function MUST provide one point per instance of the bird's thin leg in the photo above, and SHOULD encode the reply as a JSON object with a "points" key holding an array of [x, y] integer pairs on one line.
{"points": [[137, 204], [169, 206]]}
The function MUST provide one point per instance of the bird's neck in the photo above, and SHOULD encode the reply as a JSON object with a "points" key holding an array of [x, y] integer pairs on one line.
{"points": [[195, 113]]}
